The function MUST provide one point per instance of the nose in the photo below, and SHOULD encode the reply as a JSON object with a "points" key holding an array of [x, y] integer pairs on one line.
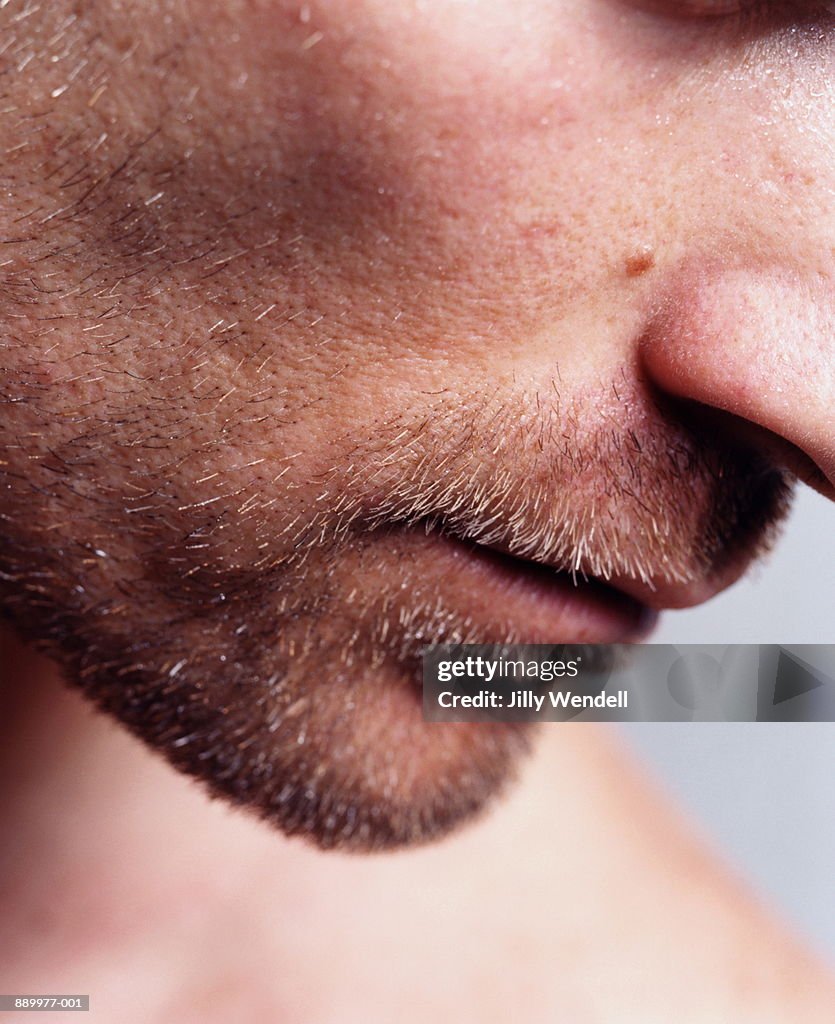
{"points": [[758, 344]]}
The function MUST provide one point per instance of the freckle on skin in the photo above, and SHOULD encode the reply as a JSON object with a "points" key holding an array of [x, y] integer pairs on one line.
{"points": [[639, 262]]}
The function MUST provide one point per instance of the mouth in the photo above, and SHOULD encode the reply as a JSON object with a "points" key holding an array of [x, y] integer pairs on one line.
{"points": [[503, 598], [506, 598]]}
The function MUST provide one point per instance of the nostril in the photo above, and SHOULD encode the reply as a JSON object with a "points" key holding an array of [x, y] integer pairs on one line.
{"points": [[733, 431]]}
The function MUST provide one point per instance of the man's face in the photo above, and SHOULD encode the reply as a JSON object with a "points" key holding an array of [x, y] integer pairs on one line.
{"points": [[322, 322]]}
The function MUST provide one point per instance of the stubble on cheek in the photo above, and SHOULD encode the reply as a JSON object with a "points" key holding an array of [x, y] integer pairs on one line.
{"points": [[166, 541]]}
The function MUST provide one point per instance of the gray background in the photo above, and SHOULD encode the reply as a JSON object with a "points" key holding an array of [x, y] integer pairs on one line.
{"points": [[765, 793]]}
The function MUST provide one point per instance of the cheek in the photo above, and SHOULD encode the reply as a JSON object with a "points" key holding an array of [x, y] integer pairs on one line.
{"points": [[431, 142]]}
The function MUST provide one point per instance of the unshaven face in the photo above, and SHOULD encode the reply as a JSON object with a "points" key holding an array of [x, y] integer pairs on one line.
{"points": [[333, 329]]}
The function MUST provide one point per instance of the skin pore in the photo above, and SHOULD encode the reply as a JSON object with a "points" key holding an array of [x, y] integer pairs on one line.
{"points": [[321, 322]]}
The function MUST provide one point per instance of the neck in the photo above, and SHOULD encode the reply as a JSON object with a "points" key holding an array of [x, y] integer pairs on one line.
{"points": [[581, 897]]}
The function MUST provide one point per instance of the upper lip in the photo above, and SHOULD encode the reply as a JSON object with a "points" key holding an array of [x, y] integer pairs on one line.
{"points": [[660, 594]]}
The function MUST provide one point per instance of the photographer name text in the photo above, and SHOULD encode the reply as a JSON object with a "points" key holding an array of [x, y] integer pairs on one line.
{"points": [[529, 700]]}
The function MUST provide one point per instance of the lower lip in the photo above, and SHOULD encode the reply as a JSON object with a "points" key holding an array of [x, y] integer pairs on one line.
{"points": [[501, 594]]}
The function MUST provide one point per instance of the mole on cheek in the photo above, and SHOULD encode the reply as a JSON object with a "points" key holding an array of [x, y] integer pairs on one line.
{"points": [[639, 262]]}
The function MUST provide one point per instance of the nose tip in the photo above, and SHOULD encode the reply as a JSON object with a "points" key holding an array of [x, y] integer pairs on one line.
{"points": [[759, 345]]}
